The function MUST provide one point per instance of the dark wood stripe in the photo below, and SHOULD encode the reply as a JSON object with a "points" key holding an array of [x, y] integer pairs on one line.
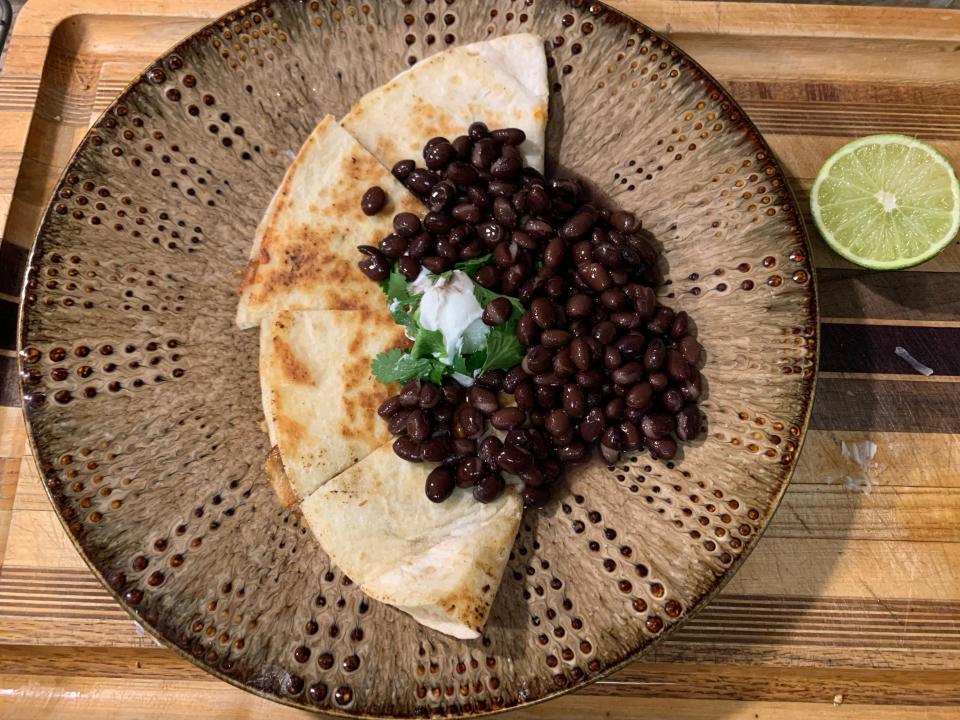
{"points": [[886, 405], [915, 295], [897, 94], [119, 615], [8, 324], [9, 391], [13, 260], [871, 348]]}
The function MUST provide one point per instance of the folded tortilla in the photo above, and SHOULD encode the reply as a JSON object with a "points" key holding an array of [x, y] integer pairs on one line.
{"points": [[304, 254], [319, 398], [439, 562], [501, 82]]}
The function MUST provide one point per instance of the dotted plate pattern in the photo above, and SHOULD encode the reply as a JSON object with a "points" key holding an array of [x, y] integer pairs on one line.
{"points": [[143, 401]]}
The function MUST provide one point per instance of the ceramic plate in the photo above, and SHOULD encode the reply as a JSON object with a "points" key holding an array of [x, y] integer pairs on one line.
{"points": [[143, 401]]}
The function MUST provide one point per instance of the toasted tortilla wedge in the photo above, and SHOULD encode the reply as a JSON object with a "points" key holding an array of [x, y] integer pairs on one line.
{"points": [[319, 399], [304, 254], [439, 562], [502, 82]]}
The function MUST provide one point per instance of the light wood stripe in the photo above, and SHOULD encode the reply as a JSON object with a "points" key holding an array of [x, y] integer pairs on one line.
{"points": [[898, 322], [907, 377]]}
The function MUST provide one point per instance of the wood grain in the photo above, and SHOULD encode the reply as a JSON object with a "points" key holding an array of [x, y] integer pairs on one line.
{"points": [[848, 608]]}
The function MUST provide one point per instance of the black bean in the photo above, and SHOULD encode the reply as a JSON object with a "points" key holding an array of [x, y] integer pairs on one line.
{"points": [[421, 245], [536, 360], [556, 287], [525, 396], [553, 339], [553, 254], [513, 459], [436, 264], [389, 406], [612, 358], [677, 368], [441, 417], [579, 306], [566, 188], [575, 452], [407, 449], [557, 422], [492, 379], [397, 424], [490, 449], [672, 400], [663, 448], [609, 454], [538, 228], [482, 399], [504, 213], [468, 422], [484, 152], [628, 373], [580, 353], [532, 476], [374, 265], [509, 136], [393, 246], [688, 422], [373, 200], [487, 277], [524, 240], [469, 471], [514, 377], [466, 212], [447, 251], [574, 400], [506, 167], [437, 223], [563, 439], [692, 388], [625, 320], [614, 299], [409, 267], [550, 379], [631, 437], [439, 485], [502, 255], [497, 311], [534, 496], [608, 256], [592, 426], [537, 200], [595, 276], [680, 326], [623, 221], [635, 415], [582, 252], [430, 395], [502, 188], [438, 155], [452, 391], [657, 426], [644, 301], [689, 348], [589, 379], [410, 394], [512, 279], [477, 131], [658, 381], [578, 226], [401, 170], [546, 397], [421, 181], [418, 427], [463, 448], [508, 418], [489, 488], [542, 312], [435, 449], [473, 249], [639, 395], [655, 354], [661, 322], [461, 173], [462, 145], [614, 408], [520, 437]]}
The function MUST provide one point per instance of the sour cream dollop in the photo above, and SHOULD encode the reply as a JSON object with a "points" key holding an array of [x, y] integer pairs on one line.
{"points": [[448, 306]]}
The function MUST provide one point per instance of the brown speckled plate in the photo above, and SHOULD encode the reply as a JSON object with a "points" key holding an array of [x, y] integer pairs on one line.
{"points": [[143, 401]]}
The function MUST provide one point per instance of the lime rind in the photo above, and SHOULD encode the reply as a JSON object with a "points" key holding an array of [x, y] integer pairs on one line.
{"points": [[925, 213]]}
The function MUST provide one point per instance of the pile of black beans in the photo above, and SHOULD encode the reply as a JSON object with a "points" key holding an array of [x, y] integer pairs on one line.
{"points": [[606, 365]]}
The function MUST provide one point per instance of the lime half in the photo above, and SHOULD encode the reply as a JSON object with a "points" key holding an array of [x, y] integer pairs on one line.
{"points": [[886, 202]]}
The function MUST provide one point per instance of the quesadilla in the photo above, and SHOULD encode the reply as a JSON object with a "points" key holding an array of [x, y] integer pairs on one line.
{"points": [[501, 82], [439, 562], [304, 254], [319, 399]]}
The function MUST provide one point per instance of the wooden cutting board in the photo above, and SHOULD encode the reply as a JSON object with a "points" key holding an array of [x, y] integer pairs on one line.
{"points": [[850, 605]]}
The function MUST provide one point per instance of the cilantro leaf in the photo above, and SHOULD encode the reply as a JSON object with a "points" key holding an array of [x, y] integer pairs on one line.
{"points": [[474, 361], [399, 366], [472, 267], [427, 344], [396, 287], [503, 350]]}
